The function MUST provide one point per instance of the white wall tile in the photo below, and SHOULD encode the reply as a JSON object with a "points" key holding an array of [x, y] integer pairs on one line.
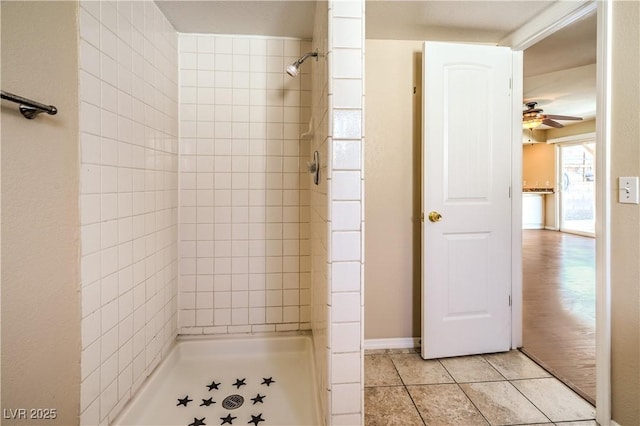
{"points": [[345, 307], [347, 32], [345, 337], [346, 398], [345, 215], [345, 246], [346, 155], [346, 367], [347, 124], [343, 192], [347, 8], [345, 186], [119, 103], [89, 58], [226, 113], [347, 93], [345, 276]]}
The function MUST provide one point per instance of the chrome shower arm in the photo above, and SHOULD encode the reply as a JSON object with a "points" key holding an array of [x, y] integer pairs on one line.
{"points": [[306, 55]]}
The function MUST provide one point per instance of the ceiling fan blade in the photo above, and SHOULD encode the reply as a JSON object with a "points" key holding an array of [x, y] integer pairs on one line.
{"points": [[561, 117], [551, 123]]}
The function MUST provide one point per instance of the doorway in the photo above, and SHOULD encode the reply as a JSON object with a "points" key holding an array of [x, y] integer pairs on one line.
{"points": [[559, 268]]}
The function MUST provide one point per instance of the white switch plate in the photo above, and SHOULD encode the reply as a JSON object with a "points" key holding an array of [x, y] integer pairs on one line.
{"points": [[628, 189]]}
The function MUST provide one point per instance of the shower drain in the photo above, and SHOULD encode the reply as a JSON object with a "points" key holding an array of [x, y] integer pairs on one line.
{"points": [[232, 402]]}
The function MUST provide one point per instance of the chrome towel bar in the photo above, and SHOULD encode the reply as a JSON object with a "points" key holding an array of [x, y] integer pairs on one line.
{"points": [[29, 109]]}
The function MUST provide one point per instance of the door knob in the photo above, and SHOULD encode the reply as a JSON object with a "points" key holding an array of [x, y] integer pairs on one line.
{"points": [[435, 216]]}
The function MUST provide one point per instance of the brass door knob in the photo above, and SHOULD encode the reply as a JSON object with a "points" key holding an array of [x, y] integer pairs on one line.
{"points": [[435, 216]]}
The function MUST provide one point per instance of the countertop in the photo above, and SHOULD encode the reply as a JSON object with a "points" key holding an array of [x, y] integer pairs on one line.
{"points": [[537, 190]]}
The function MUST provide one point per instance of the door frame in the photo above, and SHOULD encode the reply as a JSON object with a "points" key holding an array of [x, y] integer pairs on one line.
{"points": [[547, 22]]}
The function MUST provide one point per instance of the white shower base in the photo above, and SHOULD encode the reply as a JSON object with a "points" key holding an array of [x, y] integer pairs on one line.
{"points": [[194, 363]]}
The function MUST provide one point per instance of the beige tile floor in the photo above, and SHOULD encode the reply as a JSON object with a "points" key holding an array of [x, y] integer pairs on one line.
{"points": [[497, 389]]}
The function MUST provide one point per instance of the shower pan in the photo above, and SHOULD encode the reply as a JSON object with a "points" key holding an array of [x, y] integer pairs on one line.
{"points": [[242, 380]]}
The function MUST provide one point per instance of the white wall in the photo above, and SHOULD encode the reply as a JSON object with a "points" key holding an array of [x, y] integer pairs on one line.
{"points": [[128, 199], [244, 201]]}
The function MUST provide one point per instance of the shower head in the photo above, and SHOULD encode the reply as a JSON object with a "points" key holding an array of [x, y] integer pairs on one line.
{"points": [[294, 68]]}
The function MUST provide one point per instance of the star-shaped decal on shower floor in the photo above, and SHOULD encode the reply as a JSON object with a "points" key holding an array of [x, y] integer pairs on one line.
{"points": [[229, 419], [239, 383], [207, 402], [198, 422], [258, 398], [184, 401], [213, 385], [267, 381], [256, 419]]}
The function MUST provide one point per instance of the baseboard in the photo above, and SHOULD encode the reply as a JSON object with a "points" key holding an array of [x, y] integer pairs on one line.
{"points": [[395, 343], [614, 423]]}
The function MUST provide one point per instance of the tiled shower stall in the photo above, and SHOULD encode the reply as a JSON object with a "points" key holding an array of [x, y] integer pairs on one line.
{"points": [[244, 192], [198, 215]]}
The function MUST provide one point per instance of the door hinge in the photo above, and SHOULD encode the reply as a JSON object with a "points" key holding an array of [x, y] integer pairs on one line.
{"points": [[509, 300]]}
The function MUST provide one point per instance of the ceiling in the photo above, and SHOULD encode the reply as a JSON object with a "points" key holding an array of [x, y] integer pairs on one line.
{"points": [[291, 18], [456, 20], [559, 70]]}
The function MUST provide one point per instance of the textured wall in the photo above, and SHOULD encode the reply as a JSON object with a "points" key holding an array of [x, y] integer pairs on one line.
{"points": [[392, 170], [244, 199], [625, 218], [128, 199], [40, 238]]}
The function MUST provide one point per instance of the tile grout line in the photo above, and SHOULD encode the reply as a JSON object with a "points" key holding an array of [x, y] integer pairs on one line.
{"points": [[532, 403], [509, 381], [474, 404], [540, 378], [404, 385], [493, 366], [464, 393], [553, 374]]}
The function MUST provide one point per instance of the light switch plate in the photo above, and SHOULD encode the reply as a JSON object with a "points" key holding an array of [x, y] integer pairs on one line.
{"points": [[628, 190]]}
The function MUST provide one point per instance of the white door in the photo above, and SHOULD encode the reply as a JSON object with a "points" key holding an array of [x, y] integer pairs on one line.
{"points": [[466, 259]]}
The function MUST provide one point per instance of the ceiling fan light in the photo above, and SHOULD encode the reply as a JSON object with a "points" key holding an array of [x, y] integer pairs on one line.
{"points": [[532, 123]]}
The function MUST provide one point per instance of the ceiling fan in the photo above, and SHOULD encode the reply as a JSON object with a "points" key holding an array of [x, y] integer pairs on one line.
{"points": [[533, 117]]}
